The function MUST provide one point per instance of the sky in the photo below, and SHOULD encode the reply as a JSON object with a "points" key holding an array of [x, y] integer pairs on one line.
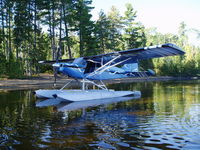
{"points": [[165, 15]]}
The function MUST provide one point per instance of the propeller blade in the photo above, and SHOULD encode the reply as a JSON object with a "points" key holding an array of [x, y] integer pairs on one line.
{"points": [[54, 61]]}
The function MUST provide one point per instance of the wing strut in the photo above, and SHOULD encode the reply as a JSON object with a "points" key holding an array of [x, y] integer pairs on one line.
{"points": [[108, 63], [104, 69]]}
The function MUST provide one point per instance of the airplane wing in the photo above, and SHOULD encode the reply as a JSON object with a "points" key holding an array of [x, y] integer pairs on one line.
{"points": [[127, 56], [133, 55]]}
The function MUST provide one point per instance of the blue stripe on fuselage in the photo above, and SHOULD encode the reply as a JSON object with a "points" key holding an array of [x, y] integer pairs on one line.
{"points": [[72, 72]]}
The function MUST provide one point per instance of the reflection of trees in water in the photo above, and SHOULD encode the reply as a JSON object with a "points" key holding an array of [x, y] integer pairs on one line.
{"points": [[175, 97], [146, 88], [169, 96], [20, 121]]}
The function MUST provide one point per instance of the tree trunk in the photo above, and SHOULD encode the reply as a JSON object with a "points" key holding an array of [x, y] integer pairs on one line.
{"points": [[59, 55], [30, 62], [102, 41], [81, 41], [53, 32], [67, 33], [6, 36], [3, 26], [9, 33], [50, 33], [35, 25]]}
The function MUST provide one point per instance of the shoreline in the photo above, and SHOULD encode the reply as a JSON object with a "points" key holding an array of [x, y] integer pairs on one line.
{"points": [[46, 81]]}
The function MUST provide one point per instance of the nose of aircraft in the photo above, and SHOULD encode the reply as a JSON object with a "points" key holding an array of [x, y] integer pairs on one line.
{"points": [[58, 66]]}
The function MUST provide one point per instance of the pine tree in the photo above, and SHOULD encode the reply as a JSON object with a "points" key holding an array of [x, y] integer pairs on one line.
{"points": [[115, 37], [102, 32], [133, 31], [67, 8], [85, 27]]}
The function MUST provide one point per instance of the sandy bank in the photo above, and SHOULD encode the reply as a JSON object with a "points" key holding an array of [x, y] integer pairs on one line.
{"points": [[46, 81]]}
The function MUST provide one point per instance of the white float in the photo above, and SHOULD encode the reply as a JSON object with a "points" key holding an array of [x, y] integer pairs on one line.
{"points": [[82, 95]]}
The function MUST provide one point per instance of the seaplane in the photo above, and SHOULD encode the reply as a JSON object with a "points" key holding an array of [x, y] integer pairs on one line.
{"points": [[93, 70]]}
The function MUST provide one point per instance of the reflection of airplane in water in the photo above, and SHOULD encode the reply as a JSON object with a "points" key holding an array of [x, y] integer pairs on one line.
{"points": [[63, 106], [90, 120]]}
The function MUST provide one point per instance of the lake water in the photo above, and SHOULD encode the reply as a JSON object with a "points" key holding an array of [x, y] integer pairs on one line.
{"points": [[166, 116]]}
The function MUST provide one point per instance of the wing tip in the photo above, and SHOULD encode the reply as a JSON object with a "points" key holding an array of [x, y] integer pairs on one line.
{"points": [[175, 47]]}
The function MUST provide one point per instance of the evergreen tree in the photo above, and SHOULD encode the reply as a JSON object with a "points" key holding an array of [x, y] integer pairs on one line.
{"points": [[115, 28], [85, 27], [67, 8], [102, 32], [133, 32]]}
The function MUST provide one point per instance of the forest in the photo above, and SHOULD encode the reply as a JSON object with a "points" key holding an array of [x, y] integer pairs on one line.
{"points": [[34, 30]]}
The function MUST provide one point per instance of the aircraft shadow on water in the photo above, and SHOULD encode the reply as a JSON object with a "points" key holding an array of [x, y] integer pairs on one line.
{"points": [[92, 70]]}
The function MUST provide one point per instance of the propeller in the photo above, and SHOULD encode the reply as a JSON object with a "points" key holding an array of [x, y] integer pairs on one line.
{"points": [[55, 64]]}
